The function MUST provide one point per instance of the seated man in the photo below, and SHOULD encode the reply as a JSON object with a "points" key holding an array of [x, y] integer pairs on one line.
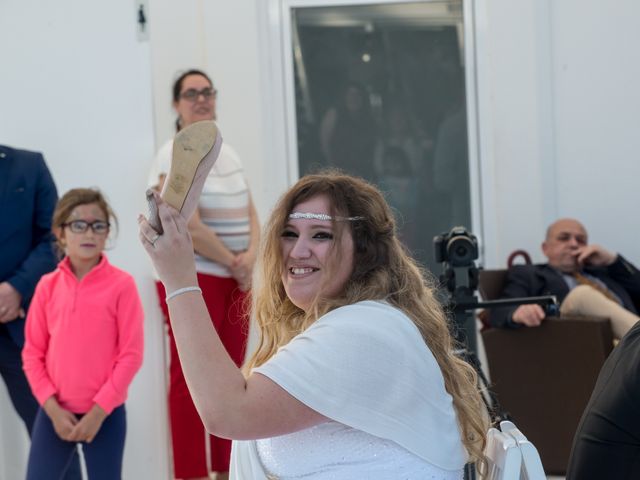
{"points": [[586, 279]]}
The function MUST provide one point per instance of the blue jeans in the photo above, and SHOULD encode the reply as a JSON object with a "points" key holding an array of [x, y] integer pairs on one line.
{"points": [[50, 456]]}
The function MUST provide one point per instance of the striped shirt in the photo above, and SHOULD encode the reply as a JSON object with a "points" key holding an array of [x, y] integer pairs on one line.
{"points": [[224, 203]]}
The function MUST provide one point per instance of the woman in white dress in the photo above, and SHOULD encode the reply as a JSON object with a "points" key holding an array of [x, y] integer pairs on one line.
{"points": [[354, 375]]}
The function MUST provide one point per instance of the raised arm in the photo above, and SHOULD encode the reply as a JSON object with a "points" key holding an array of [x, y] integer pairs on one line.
{"points": [[229, 404]]}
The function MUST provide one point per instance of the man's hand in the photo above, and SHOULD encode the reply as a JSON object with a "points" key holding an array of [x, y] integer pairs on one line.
{"points": [[63, 420], [10, 300], [595, 255], [529, 315], [89, 425]]}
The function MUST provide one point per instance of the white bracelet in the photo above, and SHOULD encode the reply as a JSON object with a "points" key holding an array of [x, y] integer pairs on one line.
{"points": [[182, 290]]}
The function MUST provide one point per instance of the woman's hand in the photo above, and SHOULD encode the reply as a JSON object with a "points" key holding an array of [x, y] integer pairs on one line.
{"points": [[242, 266], [242, 269], [171, 252]]}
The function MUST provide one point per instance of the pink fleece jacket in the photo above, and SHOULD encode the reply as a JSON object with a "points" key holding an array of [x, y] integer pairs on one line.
{"points": [[84, 338]]}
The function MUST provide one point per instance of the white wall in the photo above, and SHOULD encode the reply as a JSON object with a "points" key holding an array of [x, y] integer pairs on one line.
{"points": [[75, 85], [223, 39], [511, 71], [559, 116], [597, 118]]}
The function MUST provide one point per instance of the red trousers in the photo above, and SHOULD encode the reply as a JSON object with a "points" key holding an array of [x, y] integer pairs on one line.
{"points": [[227, 307]]}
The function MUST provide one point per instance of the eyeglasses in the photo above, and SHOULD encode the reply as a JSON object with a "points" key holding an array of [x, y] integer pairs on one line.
{"points": [[192, 94], [99, 227]]}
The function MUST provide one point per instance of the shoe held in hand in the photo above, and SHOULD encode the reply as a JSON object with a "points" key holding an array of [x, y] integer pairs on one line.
{"points": [[195, 150]]}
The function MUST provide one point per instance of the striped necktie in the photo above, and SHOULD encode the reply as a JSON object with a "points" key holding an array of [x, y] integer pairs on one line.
{"points": [[583, 280]]}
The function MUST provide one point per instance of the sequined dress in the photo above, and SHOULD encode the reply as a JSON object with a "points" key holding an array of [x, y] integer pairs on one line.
{"points": [[366, 368], [333, 451]]}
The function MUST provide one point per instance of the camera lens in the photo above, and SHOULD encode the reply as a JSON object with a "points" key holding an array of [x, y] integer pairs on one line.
{"points": [[457, 247], [461, 250]]}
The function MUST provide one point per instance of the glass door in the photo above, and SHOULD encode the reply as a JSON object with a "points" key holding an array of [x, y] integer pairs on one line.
{"points": [[380, 93]]}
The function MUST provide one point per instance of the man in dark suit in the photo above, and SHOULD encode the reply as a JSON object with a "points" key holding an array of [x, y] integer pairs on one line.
{"points": [[587, 279], [27, 199]]}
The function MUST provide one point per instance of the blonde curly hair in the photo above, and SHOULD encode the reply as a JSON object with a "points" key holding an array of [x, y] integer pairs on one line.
{"points": [[382, 271]]}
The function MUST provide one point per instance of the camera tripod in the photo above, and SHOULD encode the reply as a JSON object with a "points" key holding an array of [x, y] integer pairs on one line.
{"points": [[462, 305], [457, 251]]}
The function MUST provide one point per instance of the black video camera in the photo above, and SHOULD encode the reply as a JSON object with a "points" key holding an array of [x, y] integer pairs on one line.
{"points": [[458, 247], [457, 251]]}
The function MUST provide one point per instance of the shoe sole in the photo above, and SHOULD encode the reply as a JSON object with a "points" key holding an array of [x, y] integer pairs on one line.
{"points": [[191, 147]]}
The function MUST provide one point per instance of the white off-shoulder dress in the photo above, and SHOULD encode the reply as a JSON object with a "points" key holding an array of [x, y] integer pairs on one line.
{"points": [[365, 367]]}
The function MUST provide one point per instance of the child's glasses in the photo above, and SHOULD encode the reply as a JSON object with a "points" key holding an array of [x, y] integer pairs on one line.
{"points": [[99, 227]]}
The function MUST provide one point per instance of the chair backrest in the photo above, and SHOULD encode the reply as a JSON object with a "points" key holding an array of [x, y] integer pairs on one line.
{"points": [[544, 377], [491, 283], [531, 466], [503, 456]]}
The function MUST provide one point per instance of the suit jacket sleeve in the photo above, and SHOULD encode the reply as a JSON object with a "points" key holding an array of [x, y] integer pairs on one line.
{"points": [[627, 276], [41, 258], [519, 283]]}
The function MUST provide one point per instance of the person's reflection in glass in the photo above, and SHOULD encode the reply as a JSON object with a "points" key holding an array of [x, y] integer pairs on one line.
{"points": [[348, 132], [400, 186], [402, 131], [451, 163]]}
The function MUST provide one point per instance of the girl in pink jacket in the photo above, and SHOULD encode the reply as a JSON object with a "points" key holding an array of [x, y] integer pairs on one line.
{"points": [[83, 346]]}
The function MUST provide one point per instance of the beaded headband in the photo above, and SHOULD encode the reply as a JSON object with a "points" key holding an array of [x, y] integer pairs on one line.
{"points": [[322, 216]]}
